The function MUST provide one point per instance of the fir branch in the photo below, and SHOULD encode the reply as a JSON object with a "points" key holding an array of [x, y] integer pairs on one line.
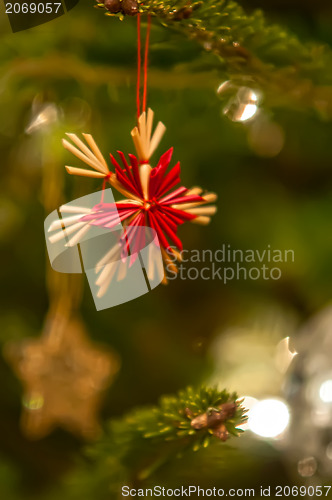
{"points": [[174, 417], [250, 49], [135, 446]]}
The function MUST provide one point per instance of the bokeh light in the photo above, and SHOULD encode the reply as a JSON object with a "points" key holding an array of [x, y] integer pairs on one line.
{"points": [[269, 418], [325, 391]]}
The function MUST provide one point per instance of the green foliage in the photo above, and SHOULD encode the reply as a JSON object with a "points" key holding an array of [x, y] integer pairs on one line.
{"points": [[250, 50], [135, 446], [170, 419]]}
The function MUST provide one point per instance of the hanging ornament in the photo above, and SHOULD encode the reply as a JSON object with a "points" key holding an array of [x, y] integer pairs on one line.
{"points": [[152, 200], [154, 203]]}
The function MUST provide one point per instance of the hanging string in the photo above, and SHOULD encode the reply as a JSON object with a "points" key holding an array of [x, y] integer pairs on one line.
{"points": [[138, 83], [105, 181], [139, 63], [146, 61], [103, 188]]}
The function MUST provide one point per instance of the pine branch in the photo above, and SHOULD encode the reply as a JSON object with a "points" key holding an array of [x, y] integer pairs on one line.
{"points": [[177, 417], [250, 50], [134, 447]]}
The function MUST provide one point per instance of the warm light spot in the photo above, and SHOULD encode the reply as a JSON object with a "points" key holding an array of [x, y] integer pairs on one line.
{"points": [[248, 111], [269, 418], [325, 391]]}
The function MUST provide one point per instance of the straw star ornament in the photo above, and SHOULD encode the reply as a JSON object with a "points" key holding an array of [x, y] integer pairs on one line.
{"points": [[153, 198], [64, 377]]}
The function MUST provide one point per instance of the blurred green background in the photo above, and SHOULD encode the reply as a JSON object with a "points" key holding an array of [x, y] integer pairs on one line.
{"points": [[84, 64]]}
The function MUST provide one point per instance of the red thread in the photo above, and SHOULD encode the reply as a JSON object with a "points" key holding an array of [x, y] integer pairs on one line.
{"points": [[106, 178], [146, 60], [139, 63]]}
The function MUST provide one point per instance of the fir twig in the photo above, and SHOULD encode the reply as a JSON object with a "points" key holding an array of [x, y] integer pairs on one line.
{"points": [[250, 50], [174, 416], [135, 446]]}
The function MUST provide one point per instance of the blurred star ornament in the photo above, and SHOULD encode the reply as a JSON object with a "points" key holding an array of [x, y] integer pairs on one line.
{"points": [[64, 376]]}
